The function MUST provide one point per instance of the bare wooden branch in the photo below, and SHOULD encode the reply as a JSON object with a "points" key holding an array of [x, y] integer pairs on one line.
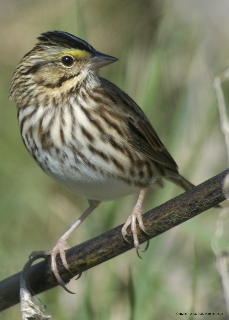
{"points": [[111, 244]]}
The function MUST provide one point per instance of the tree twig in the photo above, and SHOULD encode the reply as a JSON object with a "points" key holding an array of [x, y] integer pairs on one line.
{"points": [[111, 244]]}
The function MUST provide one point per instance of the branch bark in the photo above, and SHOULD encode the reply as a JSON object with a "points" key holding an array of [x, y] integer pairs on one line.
{"points": [[111, 244]]}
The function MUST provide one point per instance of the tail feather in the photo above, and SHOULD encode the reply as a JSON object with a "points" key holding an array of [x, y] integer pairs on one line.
{"points": [[181, 182], [184, 184]]}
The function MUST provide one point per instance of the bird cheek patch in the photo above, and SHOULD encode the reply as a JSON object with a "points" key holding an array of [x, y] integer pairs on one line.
{"points": [[47, 77]]}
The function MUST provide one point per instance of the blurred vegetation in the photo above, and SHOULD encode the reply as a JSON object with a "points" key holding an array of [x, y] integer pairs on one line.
{"points": [[169, 53]]}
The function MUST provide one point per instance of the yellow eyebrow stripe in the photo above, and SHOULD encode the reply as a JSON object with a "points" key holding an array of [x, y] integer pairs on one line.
{"points": [[76, 53]]}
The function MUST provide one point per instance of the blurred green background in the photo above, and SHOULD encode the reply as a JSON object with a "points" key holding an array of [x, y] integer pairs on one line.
{"points": [[169, 53]]}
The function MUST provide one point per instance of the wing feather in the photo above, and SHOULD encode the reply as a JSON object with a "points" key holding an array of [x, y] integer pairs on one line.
{"points": [[141, 134]]}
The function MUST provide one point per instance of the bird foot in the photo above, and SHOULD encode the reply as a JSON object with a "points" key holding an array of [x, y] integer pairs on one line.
{"points": [[60, 248], [136, 216]]}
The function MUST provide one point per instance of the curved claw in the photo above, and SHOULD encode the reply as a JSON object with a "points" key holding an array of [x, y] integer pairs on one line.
{"points": [[53, 254], [132, 222], [137, 250], [64, 261], [78, 276], [124, 228], [62, 284], [146, 247]]}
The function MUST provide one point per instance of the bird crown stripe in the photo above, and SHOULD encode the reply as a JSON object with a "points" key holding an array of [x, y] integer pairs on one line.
{"points": [[65, 39]]}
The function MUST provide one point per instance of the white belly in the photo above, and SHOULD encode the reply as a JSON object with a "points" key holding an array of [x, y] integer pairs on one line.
{"points": [[88, 183], [100, 189]]}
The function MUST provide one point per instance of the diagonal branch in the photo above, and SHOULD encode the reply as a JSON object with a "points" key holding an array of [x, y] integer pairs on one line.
{"points": [[111, 244]]}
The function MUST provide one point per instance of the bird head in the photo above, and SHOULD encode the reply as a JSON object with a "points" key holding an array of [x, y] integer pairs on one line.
{"points": [[56, 58]]}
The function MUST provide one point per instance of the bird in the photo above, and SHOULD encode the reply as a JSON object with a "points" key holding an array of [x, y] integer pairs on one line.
{"points": [[85, 132]]}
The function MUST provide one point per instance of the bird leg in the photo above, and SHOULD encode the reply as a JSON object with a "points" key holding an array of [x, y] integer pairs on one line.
{"points": [[136, 216], [62, 245]]}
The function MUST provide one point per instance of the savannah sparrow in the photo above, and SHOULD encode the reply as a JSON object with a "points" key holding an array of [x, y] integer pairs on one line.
{"points": [[85, 132]]}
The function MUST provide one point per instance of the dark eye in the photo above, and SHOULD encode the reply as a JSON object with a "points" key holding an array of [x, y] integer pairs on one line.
{"points": [[67, 61]]}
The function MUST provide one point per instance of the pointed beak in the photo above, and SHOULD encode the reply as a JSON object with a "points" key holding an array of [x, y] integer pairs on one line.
{"points": [[99, 60]]}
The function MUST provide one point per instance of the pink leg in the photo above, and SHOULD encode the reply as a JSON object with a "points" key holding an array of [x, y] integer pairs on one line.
{"points": [[135, 216], [62, 245]]}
